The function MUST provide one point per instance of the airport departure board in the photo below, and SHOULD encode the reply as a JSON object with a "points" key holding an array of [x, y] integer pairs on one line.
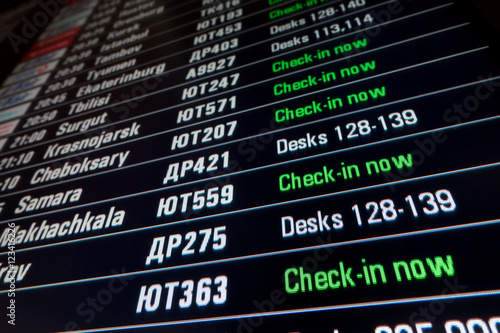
{"points": [[311, 166]]}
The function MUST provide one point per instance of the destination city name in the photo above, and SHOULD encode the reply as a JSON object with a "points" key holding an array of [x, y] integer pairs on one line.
{"points": [[85, 223], [124, 78], [47, 174], [94, 142], [127, 40]]}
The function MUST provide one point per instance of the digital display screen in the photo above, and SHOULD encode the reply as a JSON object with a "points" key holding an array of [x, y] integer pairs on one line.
{"points": [[248, 166]]}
